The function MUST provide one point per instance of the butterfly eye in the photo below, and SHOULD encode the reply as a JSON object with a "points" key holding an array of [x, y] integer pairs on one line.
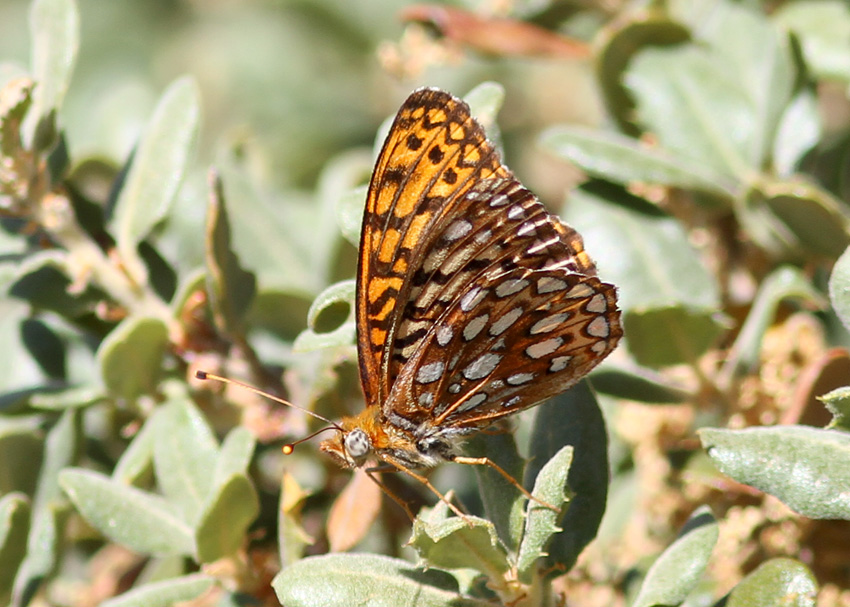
{"points": [[357, 444]]}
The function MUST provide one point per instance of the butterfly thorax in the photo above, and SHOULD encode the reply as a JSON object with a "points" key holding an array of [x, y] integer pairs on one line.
{"points": [[368, 437]]}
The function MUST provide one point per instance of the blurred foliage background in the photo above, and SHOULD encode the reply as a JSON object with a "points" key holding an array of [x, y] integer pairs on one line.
{"points": [[702, 148], [276, 76]]}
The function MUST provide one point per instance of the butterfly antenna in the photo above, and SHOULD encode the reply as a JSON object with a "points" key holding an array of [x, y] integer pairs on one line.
{"points": [[289, 448], [204, 375]]}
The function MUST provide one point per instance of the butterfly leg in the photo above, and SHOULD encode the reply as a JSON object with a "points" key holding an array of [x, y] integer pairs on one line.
{"points": [[486, 461], [400, 468], [370, 472]]}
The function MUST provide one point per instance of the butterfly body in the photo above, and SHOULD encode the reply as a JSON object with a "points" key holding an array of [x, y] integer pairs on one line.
{"points": [[366, 437], [473, 301]]}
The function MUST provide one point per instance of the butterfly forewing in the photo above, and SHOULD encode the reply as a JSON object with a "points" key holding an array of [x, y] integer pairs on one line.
{"points": [[434, 152]]}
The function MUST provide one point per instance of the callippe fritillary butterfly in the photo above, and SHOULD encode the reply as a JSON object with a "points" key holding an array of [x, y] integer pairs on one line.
{"points": [[473, 302]]}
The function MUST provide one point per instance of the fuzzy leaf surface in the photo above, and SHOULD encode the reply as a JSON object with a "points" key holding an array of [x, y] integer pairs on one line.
{"points": [[807, 468]]}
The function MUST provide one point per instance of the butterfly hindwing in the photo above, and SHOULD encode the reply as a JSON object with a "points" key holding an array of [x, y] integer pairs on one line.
{"points": [[507, 343]]}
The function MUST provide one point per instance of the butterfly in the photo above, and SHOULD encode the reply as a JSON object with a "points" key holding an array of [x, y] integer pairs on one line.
{"points": [[473, 302]]}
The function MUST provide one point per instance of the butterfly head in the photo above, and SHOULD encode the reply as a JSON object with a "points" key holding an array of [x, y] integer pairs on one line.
{"points": [[350, 449], [357, 439]]}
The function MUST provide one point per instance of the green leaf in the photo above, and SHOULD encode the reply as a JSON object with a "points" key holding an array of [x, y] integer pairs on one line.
{"points": [[42, 280], [623, 160], [622, 40], [761, 61], [235, 454], [349, 213], [14, 528], [18, 369], [45, 346], [329, 303], [798, 132], [47, 527], [839, 288], [783, 283], [338, 179], [139, 520], [21, 447], [160, 568], [342, 580], [718, 102], [662, 283], [137, 460], [686, 98], [642, 250], [60, 450], [454, 543], [823, 27], [838, 403], [130, 358], [668, 336], [638, 384], [48, 507], [265, 234], [190, 284], [72, 398], [815, 220], [157, 169], [764, 228], [681, 566], [574, 419], [807, 468], [231, 288], [780, 581], [165, 593], [504, 504], [308, 340], [485, 101], [233, 506], [437, 514], [55, 26], [550, 486], [338, 293], [185, 456]]}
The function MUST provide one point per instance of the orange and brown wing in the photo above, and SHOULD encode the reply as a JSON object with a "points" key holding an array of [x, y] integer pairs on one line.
{"points": [[510, 342], [435, 151]]}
